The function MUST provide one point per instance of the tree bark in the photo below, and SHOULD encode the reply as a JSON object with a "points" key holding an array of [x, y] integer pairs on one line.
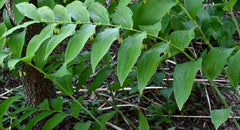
{"points": [[36, 87]]}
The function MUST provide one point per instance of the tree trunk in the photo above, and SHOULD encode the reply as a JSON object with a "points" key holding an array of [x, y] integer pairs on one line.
{"points": [[36, 87]]}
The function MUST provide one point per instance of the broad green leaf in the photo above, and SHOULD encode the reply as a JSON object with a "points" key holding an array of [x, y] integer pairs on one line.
{"points": [[26, 108], [65, 32], [49, 3], [61, 14], [102, 43], [3, 55], [143, 123], [180, 39], [229, 5], [219, 116], [17, 14], [16, 43], [37, 118], [123, 3], [103, 119], [101, 76], [193, 7], [215, 60], [29, 10], [54, 121], [62, 71], [88, 3], [39, 55], [5, 105], [82, 125], [148, 64], [56, 104], [75, 108], [151, 12], [37, 40], [152, 29], [123, 17], [128, 54], [77, 42], [2, 3], [233, 69], [3, 29], [83, 77], [23, 117], [46, 14], [65, 84], [12, 62], [18, 27], [78, 11], [44, 105], [184, 75], [98, 13]]}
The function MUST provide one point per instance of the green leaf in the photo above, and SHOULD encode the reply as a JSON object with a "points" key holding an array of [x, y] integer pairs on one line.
{"points": [[128, 54], [37, 118], [75, 108], [229, 5], [3, 29], [103, 119], [233, 69], [123, 3], [152, 29], [193, 7], [213, 64], [78, 11], [98, 13], [40, 54], [151, 12], [2, 3], [82, 125], [12, 62], [5, 105], [26, 108], [23, 117], [54, 121], [123, 17], [102, 43], [101, 76], [18, 27], [17, 14], [65, 84], [148, 64], [29, 10], [37, 40], [49, 3], [65, 32], [184, 75], [219, 116], [77, 42], [3, 55], [143, 123], [46, 14], [61, 14], [181, 39], [44, 105], [56, 104], [83, 77], [16, 43]]}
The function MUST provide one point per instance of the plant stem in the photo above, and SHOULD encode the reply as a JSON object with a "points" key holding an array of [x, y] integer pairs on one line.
{"points": [[235, 22]]}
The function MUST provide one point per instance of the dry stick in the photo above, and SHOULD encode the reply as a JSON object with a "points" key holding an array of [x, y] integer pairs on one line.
{"points": [[209, 104], [181, 116], [9, 91]]}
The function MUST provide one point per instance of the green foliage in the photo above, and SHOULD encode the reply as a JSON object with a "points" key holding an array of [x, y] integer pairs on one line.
{"points": [[148, 32]]}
